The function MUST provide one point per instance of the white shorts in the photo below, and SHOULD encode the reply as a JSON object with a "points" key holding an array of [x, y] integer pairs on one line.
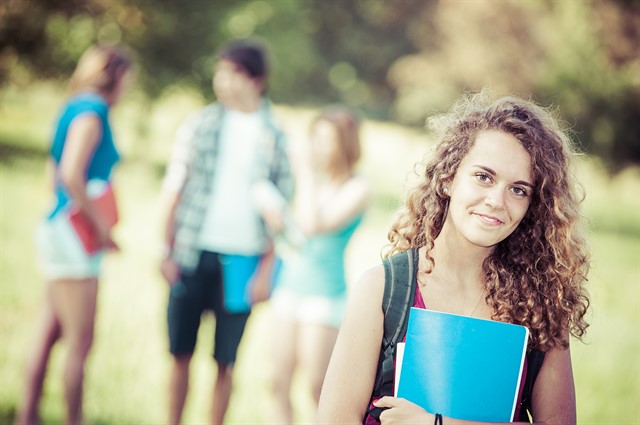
{"points": [[60, 252], [309, 309]]}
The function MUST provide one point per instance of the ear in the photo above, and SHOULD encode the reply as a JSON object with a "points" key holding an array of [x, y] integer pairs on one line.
{"points": [[259, 84], [444, 189]]}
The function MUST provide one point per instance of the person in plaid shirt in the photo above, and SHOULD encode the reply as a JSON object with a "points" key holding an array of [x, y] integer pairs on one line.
{"points": [[223, 156]]}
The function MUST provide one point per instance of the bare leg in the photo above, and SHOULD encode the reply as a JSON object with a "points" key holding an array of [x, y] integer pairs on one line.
{"points": [[284, 363], [316, 346], [178, 387], [221, 393], [46, 336], [74, 303]]}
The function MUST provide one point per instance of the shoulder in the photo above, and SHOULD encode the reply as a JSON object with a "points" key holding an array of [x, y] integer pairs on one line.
{"points": [[364, 314], [85, 104], [369, 288], [211, 112], [354, 194], [194, 119], [272, 118], [358, 185]]}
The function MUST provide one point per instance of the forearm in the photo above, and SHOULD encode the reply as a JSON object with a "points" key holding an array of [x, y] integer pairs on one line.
{"points": [[170, 203], [306, 211], [77, 189], [82, 139]]}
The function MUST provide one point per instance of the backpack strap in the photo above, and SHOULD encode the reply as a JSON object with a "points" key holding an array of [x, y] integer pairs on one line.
{"points": [[535, 358], [400, 271]]}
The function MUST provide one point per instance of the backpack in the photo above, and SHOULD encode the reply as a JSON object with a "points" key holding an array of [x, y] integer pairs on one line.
{"points": [[400, 271]]}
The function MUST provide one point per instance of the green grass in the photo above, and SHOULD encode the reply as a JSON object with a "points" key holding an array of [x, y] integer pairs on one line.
{"points": [[129, 365]]}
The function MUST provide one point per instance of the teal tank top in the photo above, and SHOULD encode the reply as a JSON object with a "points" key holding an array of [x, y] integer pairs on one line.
{"points": [[105, 155], [318, 267]]}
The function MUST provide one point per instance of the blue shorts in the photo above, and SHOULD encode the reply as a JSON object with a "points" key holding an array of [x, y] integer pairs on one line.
{"points": [[194, 294]]}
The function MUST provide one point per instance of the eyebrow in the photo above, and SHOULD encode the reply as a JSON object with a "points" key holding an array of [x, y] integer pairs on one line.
{"points": [[493, 173]]}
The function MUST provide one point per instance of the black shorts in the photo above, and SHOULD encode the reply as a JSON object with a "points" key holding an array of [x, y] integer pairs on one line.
{"points": [[189, 298]]}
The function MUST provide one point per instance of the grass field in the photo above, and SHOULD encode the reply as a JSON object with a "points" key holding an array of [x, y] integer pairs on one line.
{"points": [[129, 364]]}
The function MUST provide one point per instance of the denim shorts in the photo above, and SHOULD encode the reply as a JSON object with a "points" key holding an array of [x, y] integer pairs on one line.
{"points": [[60, 252], [191, 296]]}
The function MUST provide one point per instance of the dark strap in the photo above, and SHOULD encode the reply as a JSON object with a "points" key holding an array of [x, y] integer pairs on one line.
{"points": [[400, 271], [535, 358]]}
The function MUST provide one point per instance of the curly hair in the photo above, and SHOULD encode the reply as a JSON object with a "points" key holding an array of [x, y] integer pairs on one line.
{"points": [[536, 276]]}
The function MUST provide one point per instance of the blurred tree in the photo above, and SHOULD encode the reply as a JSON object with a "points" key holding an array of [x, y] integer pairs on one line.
{"points": [[358, 41], [593, 76], [581, 57], [31, 35], [467, 46], [401, 59]]}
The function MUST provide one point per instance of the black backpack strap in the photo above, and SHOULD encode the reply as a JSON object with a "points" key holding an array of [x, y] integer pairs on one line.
{"points": [[400, 271], [535, 358]]}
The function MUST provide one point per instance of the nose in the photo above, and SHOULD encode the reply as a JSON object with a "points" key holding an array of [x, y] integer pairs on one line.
{"points": [[495, 198]]}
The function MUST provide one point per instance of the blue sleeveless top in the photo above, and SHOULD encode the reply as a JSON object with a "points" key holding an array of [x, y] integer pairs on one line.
{"points": [[105, 155], [318, 267]]}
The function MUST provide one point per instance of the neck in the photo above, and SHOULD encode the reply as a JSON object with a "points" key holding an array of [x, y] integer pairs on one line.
{"points": [[458, 263], [108, 97], [247, 106]]}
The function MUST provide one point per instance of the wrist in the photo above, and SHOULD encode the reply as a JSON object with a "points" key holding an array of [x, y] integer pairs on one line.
{"points": [[166, 251]]}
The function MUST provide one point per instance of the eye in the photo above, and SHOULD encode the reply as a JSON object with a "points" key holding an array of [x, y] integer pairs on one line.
{"points": [[483, 177], [519, 191]]}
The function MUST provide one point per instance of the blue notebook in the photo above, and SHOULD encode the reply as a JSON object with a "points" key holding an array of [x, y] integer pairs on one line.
{"points": [[237, 271], [462, 367]]}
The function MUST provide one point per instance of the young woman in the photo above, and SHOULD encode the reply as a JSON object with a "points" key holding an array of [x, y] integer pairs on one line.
{"points": [[310, 296], [496, 223], [82, 157]]}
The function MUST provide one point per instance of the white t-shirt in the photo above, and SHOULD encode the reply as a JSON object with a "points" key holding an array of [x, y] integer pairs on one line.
{"points": [[232, 224]]}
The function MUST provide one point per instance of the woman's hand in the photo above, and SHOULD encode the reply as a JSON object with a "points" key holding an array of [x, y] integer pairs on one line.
{"points": [[402, 411], [103, 234], [261, 285], [261, 279], [302, 158]]}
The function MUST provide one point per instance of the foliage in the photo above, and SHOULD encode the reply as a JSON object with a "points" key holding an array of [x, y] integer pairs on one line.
{"points": [[397, 60]]}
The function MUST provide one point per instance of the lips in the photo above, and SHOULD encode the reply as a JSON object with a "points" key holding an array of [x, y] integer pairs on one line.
{"points": [[488, 219]]}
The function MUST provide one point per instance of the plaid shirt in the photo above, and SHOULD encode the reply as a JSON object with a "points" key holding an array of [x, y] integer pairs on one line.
{"points": [[192, 168]]}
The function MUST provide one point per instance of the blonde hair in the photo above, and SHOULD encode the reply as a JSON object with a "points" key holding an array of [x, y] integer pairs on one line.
{"points": [[536, 276], [100, 68], [347, 126]]}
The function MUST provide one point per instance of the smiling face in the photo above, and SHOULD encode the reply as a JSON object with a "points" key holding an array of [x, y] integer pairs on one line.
{"points": [[491, 190]]}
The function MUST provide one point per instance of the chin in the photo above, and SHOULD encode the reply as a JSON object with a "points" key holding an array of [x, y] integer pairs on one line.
{"points": [[482, 241]]}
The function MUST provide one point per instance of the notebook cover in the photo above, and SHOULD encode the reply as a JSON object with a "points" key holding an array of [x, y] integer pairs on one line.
{"points": [[105, 203], [462, 367], [237, 273]]}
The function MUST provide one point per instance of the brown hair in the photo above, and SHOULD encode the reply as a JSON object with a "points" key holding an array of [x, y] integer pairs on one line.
{"points": [[347, 126], [535, 277], [100, 68]]}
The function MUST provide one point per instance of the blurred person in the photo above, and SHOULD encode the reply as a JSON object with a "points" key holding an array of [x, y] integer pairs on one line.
{"points": [[83, 155], [221, 155], [310, 296], [497, 231]]}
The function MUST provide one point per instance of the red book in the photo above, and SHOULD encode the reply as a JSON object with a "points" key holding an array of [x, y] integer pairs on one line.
{"points": [[105, 204]]}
